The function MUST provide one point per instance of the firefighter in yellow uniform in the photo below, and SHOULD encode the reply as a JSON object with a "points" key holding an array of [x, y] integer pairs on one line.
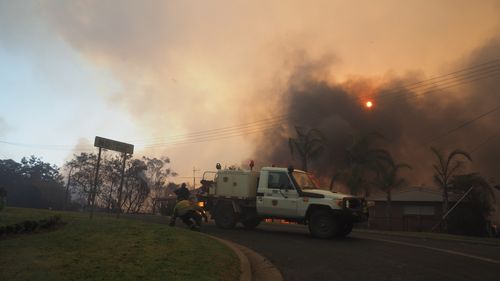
{"points": [[188, 211]]}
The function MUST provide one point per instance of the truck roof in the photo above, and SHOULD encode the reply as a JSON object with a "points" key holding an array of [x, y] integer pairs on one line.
{"points": [[271, 169], [279, 169]]}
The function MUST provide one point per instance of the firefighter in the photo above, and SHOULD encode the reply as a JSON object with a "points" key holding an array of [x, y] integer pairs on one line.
{"points": [[190, 214], [182, 192]]}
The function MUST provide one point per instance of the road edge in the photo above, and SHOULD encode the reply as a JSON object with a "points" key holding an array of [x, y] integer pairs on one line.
{"points": [[262, 268], [245, 268], [253, 266]]}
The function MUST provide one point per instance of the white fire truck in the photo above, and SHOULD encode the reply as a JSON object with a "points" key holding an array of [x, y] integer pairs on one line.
{"points": [[248, 197]]}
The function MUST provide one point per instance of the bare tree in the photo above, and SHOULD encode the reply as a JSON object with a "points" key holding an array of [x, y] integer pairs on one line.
{"points": [[82, 179], [145, 179], [156, 175], [136, 189]]}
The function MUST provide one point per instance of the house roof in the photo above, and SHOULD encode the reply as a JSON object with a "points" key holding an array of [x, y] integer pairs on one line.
{"points": [[411, 194]]}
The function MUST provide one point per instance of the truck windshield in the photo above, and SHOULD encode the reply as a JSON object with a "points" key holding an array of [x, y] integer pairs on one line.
{"points": [[303, 180]]}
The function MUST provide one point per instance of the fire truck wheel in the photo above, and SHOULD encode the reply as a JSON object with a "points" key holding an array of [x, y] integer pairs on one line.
{"points": [[225, 217], [323, 225], [345, 229]]}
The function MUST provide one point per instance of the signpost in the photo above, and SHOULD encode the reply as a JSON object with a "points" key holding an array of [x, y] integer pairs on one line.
{"points": [[115, 146]]}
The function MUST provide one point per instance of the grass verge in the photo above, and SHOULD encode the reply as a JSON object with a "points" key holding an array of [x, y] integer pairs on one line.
{"points": [[107, 248]]}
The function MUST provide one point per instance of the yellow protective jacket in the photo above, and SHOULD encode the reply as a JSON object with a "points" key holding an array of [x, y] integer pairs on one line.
{"points": [[184, 206]]}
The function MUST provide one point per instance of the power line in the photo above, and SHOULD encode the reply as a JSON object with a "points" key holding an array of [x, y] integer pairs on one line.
{"points": [[205, 134], [49, 147], [485, 142], [211, 139], [464, 124], [446, 85], [223, 134], [275, 119], [216, 133], [486, 66]]}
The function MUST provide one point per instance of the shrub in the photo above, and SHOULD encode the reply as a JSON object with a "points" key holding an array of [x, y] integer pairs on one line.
{"points": [[31, 226]]}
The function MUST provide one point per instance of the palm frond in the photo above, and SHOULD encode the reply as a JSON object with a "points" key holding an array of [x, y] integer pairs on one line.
{"points": [[458, 152]]}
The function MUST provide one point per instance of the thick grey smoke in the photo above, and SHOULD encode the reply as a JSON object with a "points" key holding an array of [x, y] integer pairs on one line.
{"points": [[410, 120]]}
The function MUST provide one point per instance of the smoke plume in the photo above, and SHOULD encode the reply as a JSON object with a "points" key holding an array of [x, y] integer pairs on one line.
{"points": [[411, 117]]}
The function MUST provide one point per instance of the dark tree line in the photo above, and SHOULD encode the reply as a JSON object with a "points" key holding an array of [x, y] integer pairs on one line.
{"points": [[32, 183]]}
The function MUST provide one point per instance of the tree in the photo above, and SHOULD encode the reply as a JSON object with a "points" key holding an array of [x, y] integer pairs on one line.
{"points": [[136, 188], [34, 168], [156, 175], [307, 145], [387, 180], [32, 183], [82, 179], [445, 168], [144, 180], [362, 161], [3, 195], [470, 217], [111, 173]]}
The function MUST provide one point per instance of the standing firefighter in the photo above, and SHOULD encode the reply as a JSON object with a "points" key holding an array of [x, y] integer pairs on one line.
{"points": [[182, 193], [190, 214]]}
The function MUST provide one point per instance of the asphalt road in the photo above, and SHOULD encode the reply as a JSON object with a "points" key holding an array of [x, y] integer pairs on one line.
{"points": [[361, 256], [364, 256]]}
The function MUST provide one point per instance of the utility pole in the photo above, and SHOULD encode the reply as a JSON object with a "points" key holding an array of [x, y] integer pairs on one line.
{"points": [[119, 207], [452, 208], [94, 190], [194, 177], [67, 188]]}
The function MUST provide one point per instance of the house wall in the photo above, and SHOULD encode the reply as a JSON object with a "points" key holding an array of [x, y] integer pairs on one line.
{"points": [[495, 215], [405, 216]]}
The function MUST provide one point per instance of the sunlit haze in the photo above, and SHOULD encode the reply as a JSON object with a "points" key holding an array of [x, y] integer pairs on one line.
{"points": [[207, 81]]}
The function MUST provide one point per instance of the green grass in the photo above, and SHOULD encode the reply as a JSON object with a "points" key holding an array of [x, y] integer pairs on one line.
{"points": [[107, 248]]}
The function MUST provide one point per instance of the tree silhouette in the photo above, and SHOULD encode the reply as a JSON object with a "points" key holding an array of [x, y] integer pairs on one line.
{"points": [[470, 217], [306, 145], [387, 180], [362, 161], [445, 168], [32, 183]]}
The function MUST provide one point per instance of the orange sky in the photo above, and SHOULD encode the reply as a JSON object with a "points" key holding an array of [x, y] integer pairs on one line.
{"points": [[187, 66]]}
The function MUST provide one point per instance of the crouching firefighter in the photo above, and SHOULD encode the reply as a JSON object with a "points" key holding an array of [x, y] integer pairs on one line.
{"points": [[190, 214]]}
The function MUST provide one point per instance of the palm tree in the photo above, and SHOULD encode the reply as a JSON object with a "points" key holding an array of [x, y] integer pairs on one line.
{"points": [[388, 180], [307, 145], [446, 168], [361, 159]]}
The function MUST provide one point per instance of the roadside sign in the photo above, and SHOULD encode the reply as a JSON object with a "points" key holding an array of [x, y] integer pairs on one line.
{"points": [[105, 143], [113, 145]]}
